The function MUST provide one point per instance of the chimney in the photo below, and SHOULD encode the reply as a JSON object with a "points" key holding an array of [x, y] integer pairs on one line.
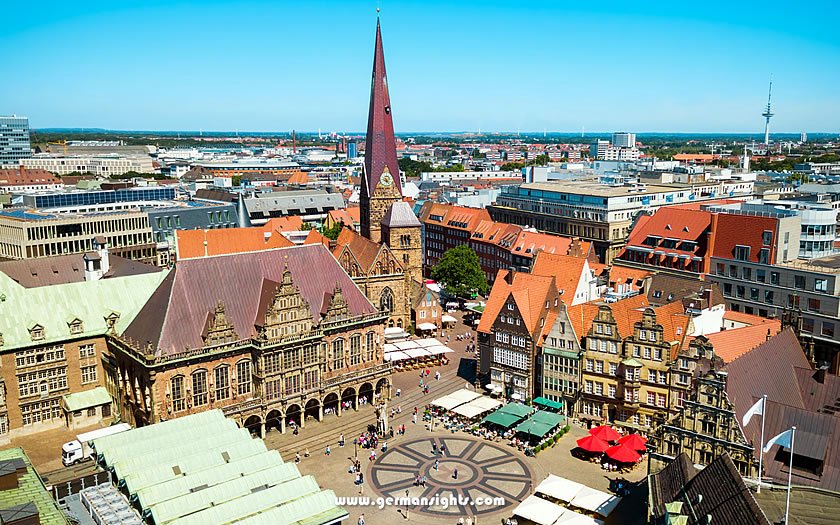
{"points": [[509, 276]]}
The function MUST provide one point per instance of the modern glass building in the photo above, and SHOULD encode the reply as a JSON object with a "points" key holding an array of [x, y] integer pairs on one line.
{"points": [[14, 139], [87, 198]]}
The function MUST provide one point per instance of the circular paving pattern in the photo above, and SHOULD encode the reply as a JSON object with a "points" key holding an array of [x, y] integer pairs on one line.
{"points": [[468, 470]]}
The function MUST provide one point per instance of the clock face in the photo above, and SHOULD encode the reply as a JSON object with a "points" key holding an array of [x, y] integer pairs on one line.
{"points": [[386, 179]]}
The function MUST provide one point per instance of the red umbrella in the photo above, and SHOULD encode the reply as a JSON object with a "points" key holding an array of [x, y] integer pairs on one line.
{"points": [[604, 432], [592, 444], [634, 441], [623, 454]]}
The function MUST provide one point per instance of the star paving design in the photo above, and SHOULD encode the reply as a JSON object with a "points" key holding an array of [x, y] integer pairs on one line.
{"points": [[484, 470]]}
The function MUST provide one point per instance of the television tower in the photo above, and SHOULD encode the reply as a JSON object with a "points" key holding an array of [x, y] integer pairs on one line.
{"points": [[767, 114]]}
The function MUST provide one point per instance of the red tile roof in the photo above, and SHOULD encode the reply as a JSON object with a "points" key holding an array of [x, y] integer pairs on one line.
{"points": [[191, 244], [458, 217], [631, 277], [747, 319], [731, 344], [291, 223], [626, 312], [567, 271], [28, 177], [314, 237], [529, 291], [730, 230], [175, 316]]}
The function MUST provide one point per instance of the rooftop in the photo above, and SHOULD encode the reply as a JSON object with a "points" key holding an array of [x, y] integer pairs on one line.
{"points": [[30, 490], [592, 187]]}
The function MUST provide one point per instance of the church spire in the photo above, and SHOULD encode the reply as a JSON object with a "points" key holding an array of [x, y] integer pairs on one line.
{"points": [[380, 145]]}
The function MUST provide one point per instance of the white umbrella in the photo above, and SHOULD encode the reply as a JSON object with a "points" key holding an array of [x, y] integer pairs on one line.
{"points": [[490, 386], [516, 397]]}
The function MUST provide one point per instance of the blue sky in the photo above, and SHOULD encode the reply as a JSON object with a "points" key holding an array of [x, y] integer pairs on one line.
{"points": [[452, 66]]}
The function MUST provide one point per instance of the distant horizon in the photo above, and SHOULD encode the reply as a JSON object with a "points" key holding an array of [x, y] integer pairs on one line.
{"points": [[428, 133], [468, 65]]}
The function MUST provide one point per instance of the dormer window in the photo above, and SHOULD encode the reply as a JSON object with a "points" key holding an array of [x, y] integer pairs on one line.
{"points": [[76, 326], [36, 333]]}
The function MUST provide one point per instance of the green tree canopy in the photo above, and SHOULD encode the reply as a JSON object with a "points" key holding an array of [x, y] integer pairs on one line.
{"points": [[460, 272], [512, 166], [333, 231]]}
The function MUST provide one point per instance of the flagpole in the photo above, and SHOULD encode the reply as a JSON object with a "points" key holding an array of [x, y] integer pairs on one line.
{"points": [[761, 447], [790, 474]]}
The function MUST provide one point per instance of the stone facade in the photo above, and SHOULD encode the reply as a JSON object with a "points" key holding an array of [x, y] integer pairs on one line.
{"points": [[35, 378], [706, 428], [376, 205], [406, 245], [293, 370], [625, 380]]}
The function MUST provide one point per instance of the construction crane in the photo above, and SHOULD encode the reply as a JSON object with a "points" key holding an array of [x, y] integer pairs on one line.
{"points": [[59, 143]]}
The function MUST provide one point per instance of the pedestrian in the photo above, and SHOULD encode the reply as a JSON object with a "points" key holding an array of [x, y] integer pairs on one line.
{"points": [[357, 478], [424, 481], [385, 444], [442, 449], [327, 451], [415, 418], [341, 440], [297, 457], [469, 521], [415, 411], [436, 464], [362, 519], [456, 473], [372, 454], [306, 452], [461, 520], [434, 448], [437, 376], [399, 392], [361, 478], [416, 480]]}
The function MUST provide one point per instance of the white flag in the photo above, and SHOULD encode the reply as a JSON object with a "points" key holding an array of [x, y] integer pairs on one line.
{"points": [[782, 439], [756, 410]]}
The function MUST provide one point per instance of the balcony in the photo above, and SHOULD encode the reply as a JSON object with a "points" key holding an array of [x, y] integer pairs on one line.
{"points": [[358, 375]]}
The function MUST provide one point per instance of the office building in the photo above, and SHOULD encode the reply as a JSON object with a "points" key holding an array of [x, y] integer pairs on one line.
{"points": [[104, 165], [352, 150], [622, 139], [598, 149], [100, 200], [14, 140], [312, 205], [596, 212], [31, 234]]}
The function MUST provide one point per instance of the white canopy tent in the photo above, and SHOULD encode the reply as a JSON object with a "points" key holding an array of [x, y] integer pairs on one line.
{"points": [[457, 398], [570, 517], [396, 356], [416, 352], [595, 501], [448, 319], [559, 488], [391, 347], [440, 349], [429, 341], [476, 407], [405, 345], [426, 327], [539, 510]]}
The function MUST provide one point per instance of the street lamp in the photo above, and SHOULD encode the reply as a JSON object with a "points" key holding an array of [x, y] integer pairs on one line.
{"points": [[355, 444]]}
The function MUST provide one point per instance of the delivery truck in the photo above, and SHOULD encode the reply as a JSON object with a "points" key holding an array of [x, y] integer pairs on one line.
{"points": [[81, 448]]}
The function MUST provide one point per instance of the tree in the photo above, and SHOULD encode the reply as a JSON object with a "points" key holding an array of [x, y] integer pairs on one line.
{"points": [[512, 166], [332, 231], [540, 160], [460, 272], [305, 226]]}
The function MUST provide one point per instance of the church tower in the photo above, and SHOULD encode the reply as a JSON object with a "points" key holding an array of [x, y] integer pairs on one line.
{"points": [[381, 178]]}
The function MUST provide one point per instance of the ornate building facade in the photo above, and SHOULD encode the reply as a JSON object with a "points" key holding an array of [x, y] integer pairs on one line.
{"points": [[706, 427], [290, 339]]}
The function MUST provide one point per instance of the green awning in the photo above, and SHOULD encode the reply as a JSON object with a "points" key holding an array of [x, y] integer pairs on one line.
{"points": [[87, 399], [516, 409], [549, 418], [548, 403], [534, 428], [502, 419]]}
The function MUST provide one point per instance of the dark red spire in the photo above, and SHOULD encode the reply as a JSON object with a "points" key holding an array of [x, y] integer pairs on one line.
{"points": [[380, 146]]}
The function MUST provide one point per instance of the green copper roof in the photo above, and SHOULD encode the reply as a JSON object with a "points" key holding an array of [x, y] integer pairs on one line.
{"points": [[30, 489], [51, 307], [87, 399]]}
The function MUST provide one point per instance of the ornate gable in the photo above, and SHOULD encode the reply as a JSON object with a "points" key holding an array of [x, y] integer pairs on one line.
{"points": [[350, 264], [335, 306], [219, 329], [287, 312], [386, 263]]}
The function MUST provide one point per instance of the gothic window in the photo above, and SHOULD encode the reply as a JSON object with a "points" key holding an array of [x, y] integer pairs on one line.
{"points": [[199, 387], [355, 350], [221, 382], [370, 349], [177, 387], [338, 354], [243, 377], [386, 300]]}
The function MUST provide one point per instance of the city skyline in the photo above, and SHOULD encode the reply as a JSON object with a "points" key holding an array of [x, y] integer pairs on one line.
{"points": [[223, 69]]}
